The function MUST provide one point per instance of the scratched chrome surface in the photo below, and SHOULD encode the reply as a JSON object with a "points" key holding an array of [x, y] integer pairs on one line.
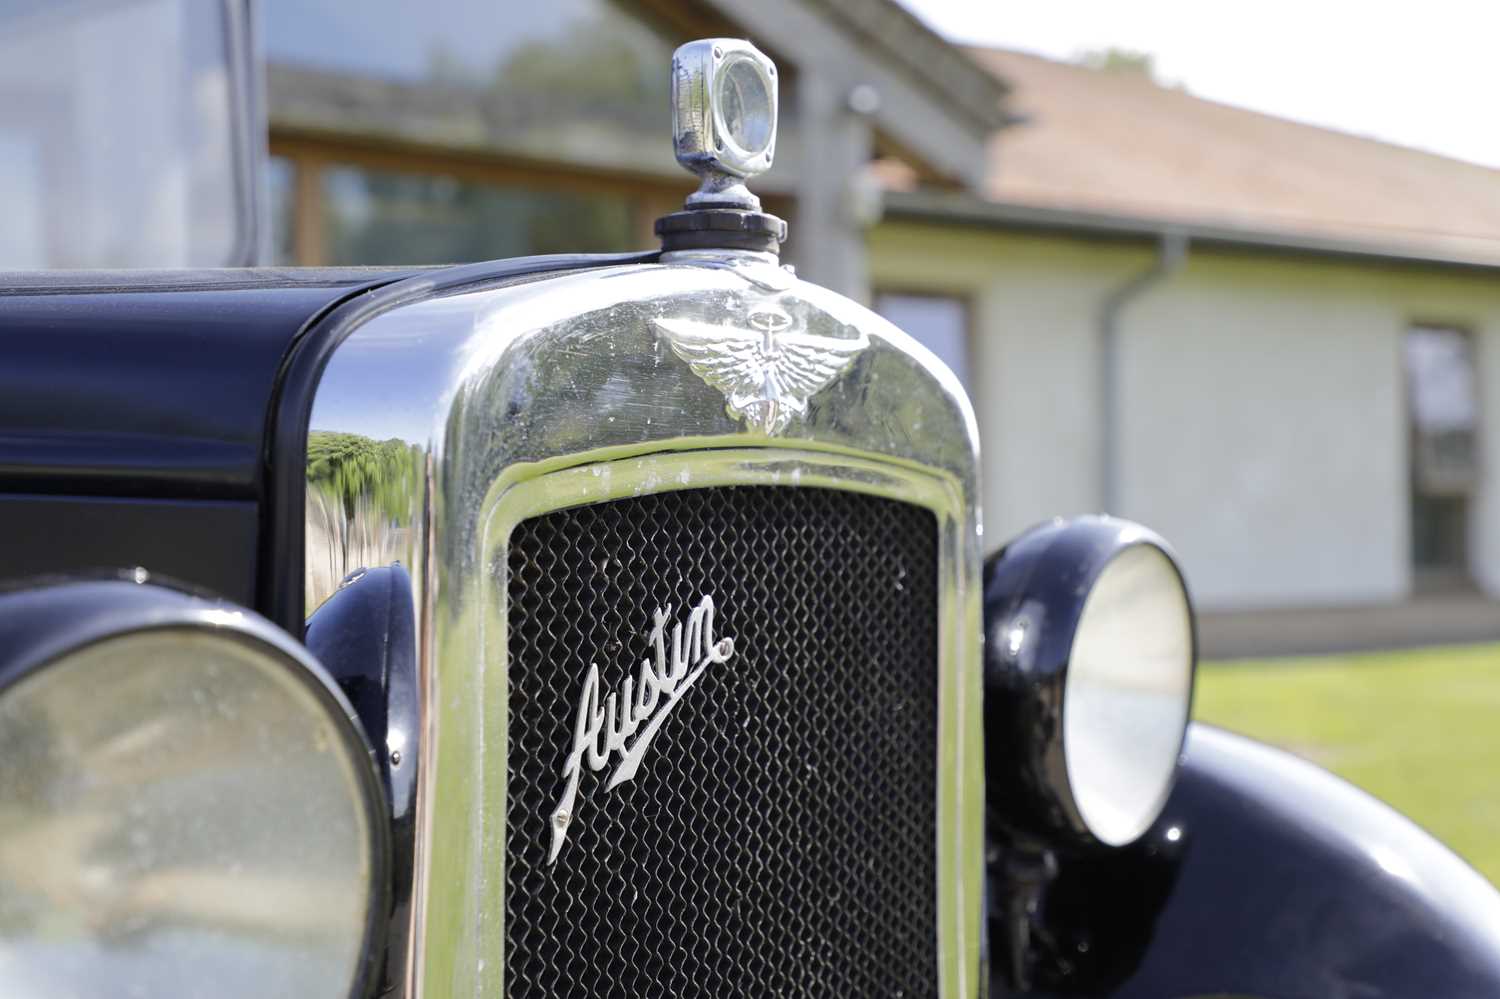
{"points": [[440, 425]]}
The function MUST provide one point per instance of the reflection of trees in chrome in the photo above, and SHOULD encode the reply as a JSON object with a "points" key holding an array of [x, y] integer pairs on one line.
{"points": [[349, 466], [362, 498]]}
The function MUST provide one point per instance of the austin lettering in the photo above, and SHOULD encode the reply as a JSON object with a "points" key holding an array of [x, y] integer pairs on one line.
{"points": [[622, 723]]}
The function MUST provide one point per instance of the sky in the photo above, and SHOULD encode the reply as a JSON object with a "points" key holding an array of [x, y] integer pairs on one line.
{"points": [[1423, 74]]}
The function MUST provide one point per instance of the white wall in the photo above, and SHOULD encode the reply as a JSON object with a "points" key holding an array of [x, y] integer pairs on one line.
{"points": [[1263, 430], [1263, 426], [1032, 307]]}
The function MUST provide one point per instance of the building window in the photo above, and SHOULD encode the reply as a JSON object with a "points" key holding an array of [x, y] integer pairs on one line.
{"points": [[462, 130], [581, 82], [939, 323], [383, 217], [1443, 413]]}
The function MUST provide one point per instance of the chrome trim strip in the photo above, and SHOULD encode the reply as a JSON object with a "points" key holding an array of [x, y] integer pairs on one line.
{"points": [[463, 415]]}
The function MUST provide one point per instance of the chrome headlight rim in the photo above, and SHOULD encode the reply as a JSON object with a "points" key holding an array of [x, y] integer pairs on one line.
{"points": [[50, 620], [1036, 591]]}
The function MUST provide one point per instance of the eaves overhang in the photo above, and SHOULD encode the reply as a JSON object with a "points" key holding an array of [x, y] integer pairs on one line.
{"points": [[959, 208], [900, 38], [934, 103]]}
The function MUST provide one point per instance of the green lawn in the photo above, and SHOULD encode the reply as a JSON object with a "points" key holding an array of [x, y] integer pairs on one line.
{"points": [[1419, 729]]}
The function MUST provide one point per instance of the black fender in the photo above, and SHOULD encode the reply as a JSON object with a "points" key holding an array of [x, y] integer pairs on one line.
{"points": [[365, 636], [1267, 876]]}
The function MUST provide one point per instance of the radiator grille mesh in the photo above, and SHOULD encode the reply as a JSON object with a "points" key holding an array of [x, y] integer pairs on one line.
{"points": [[779, 837]]}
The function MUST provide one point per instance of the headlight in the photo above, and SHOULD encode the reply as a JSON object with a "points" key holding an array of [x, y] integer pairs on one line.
{"points": [[724, 105], [187, 804], [742, 102], [1089, 664]]}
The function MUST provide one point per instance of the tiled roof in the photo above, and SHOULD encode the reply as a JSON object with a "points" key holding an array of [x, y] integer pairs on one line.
{"points": [[1116, 144]]}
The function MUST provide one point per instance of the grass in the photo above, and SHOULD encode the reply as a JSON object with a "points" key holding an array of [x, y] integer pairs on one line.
{"points": [[1419, 729]]}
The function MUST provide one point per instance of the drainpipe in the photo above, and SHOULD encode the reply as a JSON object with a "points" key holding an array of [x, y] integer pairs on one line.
{"points": [[1171, 251]]}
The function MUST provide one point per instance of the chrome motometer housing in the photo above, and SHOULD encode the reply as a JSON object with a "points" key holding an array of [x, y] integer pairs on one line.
{"points": [[446, 430]]}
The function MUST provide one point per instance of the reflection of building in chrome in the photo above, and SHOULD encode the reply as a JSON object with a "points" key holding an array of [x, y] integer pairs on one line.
{"points": [[359, 498]]}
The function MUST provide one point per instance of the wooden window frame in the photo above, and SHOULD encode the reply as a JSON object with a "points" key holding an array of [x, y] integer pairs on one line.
{"points": [[1441, 578], [310, 155]]}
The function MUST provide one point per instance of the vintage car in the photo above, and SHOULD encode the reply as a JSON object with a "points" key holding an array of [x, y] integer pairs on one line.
{"points": [[616, 626]]}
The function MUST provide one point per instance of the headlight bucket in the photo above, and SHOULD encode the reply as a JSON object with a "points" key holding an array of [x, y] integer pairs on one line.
{"points": [[189, 799], [1090, 651], [724, 106]]}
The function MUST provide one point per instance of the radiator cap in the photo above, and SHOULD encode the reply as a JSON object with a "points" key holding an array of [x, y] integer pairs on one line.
{"points": [[724, 114]]}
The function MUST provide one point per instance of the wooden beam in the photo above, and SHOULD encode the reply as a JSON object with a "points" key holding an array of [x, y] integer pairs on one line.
{"points": [[380, 153], [309, 224], [830, 238]]}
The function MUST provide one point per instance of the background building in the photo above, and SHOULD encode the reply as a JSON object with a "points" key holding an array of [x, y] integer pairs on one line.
{"points": [[1278, 345]]}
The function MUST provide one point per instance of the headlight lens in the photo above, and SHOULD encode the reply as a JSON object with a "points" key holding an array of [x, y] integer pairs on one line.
{"points": [[743, 97], [1088, 672], [1126, 697], [183, 809]]}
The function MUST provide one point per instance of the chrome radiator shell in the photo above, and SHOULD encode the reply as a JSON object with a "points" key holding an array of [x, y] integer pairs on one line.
{"points": [[490, 406]]}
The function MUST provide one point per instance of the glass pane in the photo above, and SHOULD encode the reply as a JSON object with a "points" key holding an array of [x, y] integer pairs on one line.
{"points": [[117, 144], [938, 323], [584, 81], [1440, 373], [375, 217], [281, 189], [1444, 410], [1439, 532]]}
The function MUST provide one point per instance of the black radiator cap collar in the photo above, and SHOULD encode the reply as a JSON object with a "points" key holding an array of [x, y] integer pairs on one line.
{"points": [[721, 229]]}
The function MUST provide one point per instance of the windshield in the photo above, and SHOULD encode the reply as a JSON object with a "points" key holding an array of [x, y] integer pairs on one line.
{"points": [[121, 134]]}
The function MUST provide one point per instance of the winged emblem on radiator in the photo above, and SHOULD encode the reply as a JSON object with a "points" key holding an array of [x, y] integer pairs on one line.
{"points": [[767, 372]]}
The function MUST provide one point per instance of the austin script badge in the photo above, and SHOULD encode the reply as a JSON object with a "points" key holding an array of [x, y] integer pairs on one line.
{"points": [[767, 373], [626, 721]]}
